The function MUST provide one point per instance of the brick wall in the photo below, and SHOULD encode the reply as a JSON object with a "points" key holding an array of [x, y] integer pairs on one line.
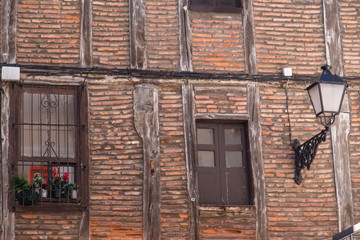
{"points": [[174, 202], [57, 225], [350, 37], [111, 33], [217, 42], [308, 211], [215, 223], [224, 100], [48, 32], [289, 34], [229, 224], [116, 164], [162, 34]]}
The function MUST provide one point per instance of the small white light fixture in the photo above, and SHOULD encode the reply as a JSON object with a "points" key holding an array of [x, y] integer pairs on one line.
{"points": [[10, 73], [287, 72]]}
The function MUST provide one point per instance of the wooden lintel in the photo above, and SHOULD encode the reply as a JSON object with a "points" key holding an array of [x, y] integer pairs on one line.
{"points": [[240, 117]]}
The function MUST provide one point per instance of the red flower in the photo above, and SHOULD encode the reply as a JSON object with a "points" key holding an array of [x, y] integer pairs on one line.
{"points": [[45, 182], [54, 173], [66, 176]]}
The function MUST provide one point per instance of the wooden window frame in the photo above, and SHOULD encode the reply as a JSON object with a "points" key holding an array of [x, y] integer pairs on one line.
{"points": [[80, 160], [219, 171], [214, 8]]}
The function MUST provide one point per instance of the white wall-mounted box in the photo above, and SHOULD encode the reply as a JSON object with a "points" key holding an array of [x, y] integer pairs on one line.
{"points": [[10, 73]]}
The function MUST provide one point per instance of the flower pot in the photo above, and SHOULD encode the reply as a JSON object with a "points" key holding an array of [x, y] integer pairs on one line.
{"points": [[43, 193], [28, 197], [56, 193], [73, 194]]}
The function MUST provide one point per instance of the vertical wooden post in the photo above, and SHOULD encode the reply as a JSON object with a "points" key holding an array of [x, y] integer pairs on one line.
{"points": [[8, 31], [249, 38], [147, 125], [332, 36], [340, 146], [184, 36], [86, 34], [189, 131], [137, 34], [7, 224], [257, 161], [341, 128]]}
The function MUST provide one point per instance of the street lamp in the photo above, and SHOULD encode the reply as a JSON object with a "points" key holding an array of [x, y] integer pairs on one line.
{"points": [[326, 97]]}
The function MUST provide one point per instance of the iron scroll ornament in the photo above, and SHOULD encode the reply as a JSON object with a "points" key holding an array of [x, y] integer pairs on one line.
{"points": [[305, 153]]}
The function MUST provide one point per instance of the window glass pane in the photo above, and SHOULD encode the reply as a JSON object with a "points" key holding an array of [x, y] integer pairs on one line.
{"points": [[33, 140], [232, 136], [63, 111], [31, 107], [70, 170], [48, 141], [233, 159], [205, 136], [206, 159], [64, 141], [29, 170]]}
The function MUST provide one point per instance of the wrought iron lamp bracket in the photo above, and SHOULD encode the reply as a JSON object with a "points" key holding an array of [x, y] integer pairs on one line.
{"points": [[305, 153]]}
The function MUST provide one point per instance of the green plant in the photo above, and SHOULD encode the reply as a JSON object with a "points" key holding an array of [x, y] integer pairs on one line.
{"points": [[20, 183], [28, 197], [25, 192], [68, 187]]}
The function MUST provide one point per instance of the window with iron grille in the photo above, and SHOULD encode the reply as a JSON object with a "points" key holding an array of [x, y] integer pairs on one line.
{"points": [[226, 6], [48, 144], [223, 168]]}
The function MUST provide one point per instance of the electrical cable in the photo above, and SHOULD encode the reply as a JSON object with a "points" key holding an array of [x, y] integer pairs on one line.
{"points": [[287, 110], [61, 70]]}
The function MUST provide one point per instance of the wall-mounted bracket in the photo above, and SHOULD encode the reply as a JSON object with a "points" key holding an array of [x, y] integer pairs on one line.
{"points": [[305, 153]]}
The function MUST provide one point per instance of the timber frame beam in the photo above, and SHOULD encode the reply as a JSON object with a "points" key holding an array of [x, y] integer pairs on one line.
{"points": [[146, 121], [341, 129]]}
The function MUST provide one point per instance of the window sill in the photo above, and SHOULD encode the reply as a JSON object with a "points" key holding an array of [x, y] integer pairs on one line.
{"points": [[47, 206]]}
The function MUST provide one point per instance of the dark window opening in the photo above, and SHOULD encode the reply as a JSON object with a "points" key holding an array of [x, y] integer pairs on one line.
{"points": [[224, 176], [48, 145], [226, 6]]}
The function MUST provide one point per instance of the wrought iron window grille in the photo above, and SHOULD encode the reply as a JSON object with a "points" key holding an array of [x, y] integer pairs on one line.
{"points": [[48, 144]]}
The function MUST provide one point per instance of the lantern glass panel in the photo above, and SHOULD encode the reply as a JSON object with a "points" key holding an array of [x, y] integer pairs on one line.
{"points": [[314, 94], [332, 95]]}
